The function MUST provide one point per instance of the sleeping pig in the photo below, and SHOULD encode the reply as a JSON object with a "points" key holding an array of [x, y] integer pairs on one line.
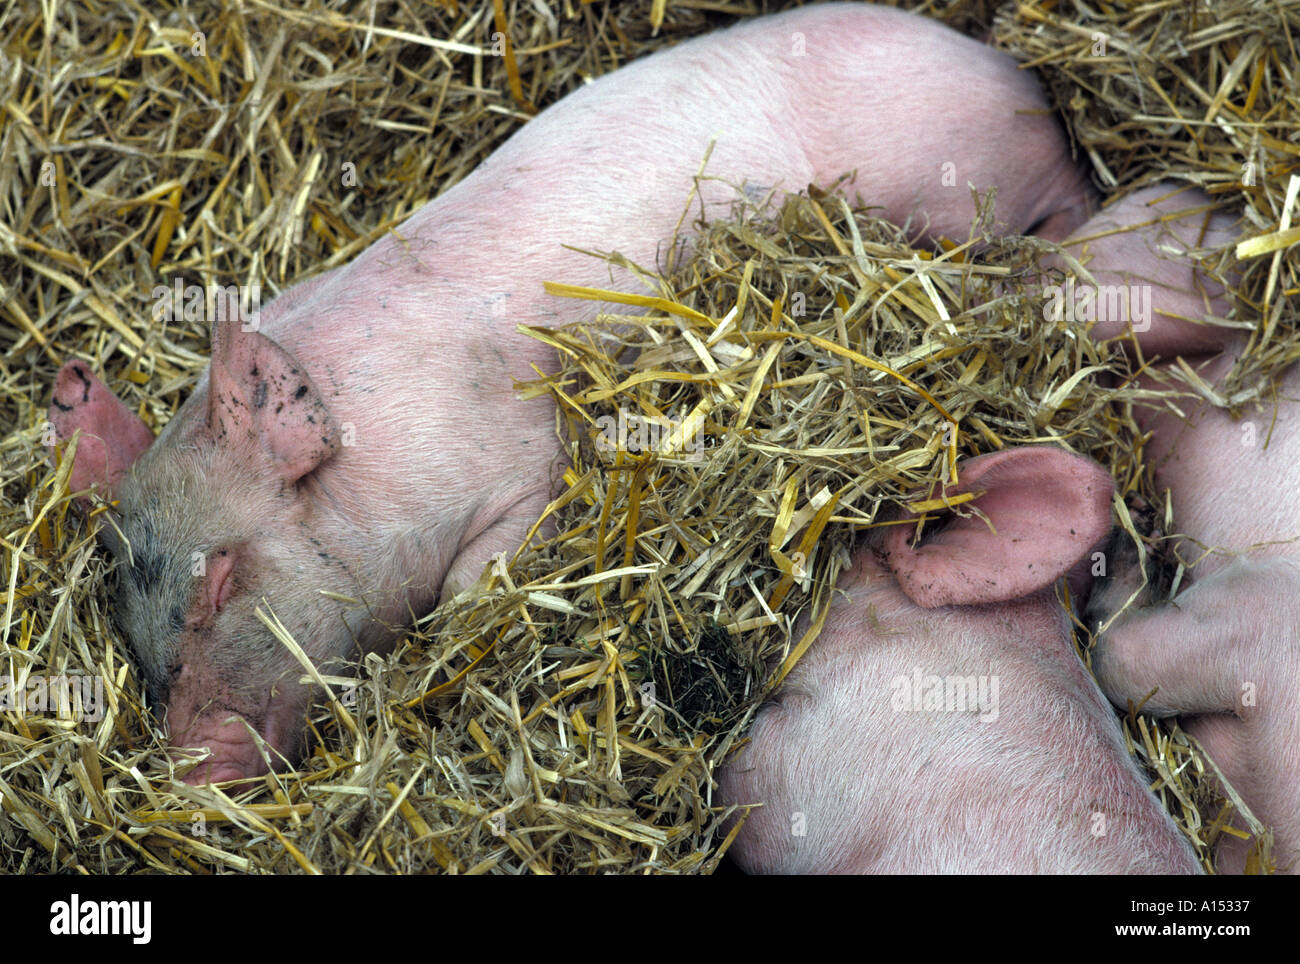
{"points": [[1224, 654], [942, 722], [364, 441]]}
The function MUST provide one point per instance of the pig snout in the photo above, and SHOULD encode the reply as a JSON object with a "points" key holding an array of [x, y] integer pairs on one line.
{"points": [[243, 738], [931, 730]]}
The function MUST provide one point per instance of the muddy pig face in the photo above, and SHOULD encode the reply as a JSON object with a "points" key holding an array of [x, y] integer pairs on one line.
{"points": [[198, 553]]}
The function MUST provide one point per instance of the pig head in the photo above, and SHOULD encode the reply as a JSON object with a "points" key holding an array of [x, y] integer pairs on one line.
{"points": [[365, 441], [1224, 654], [198, 556], [943, 722]]}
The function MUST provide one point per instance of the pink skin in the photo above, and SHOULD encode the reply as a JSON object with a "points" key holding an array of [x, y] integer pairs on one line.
{"points": [[1043, 785], [1225, 653], [407, 462]]}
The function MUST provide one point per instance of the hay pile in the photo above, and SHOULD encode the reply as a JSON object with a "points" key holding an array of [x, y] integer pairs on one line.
{"points": [[566, 714]]}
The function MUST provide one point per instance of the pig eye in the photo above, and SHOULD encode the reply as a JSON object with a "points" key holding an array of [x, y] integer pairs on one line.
{"points": [[160, 689]]}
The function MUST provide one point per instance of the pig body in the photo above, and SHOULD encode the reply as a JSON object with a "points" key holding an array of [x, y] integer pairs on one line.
{"points": [[942, 722], [1225, 653], [365, 441]]}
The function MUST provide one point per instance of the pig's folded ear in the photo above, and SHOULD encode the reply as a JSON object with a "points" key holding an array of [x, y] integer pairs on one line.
{"points": [[1049, 508], [260, 395], [112, 435]]}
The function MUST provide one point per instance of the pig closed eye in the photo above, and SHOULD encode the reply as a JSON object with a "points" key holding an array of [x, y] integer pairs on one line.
{"points": [[160, 689]]}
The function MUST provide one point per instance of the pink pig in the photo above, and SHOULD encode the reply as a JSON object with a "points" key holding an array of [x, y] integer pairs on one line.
{"points": [[942, 721], [366, 441], [1225, 652]]}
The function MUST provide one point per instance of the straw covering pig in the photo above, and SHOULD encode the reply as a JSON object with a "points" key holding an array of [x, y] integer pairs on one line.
{"points": [[365, 441], [942, 721], [1224, 654]]}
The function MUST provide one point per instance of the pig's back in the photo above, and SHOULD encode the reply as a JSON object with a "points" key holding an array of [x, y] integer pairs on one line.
{"points": [[803, 96]]}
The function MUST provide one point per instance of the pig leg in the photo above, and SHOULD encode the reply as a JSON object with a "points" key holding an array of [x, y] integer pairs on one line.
{"points": [[1136, 250], [1232, 666], [501, 537]]}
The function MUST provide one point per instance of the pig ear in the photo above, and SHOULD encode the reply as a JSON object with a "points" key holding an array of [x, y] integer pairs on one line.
{"points": [[258, 393], [112, 435], [1049, 508]]}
